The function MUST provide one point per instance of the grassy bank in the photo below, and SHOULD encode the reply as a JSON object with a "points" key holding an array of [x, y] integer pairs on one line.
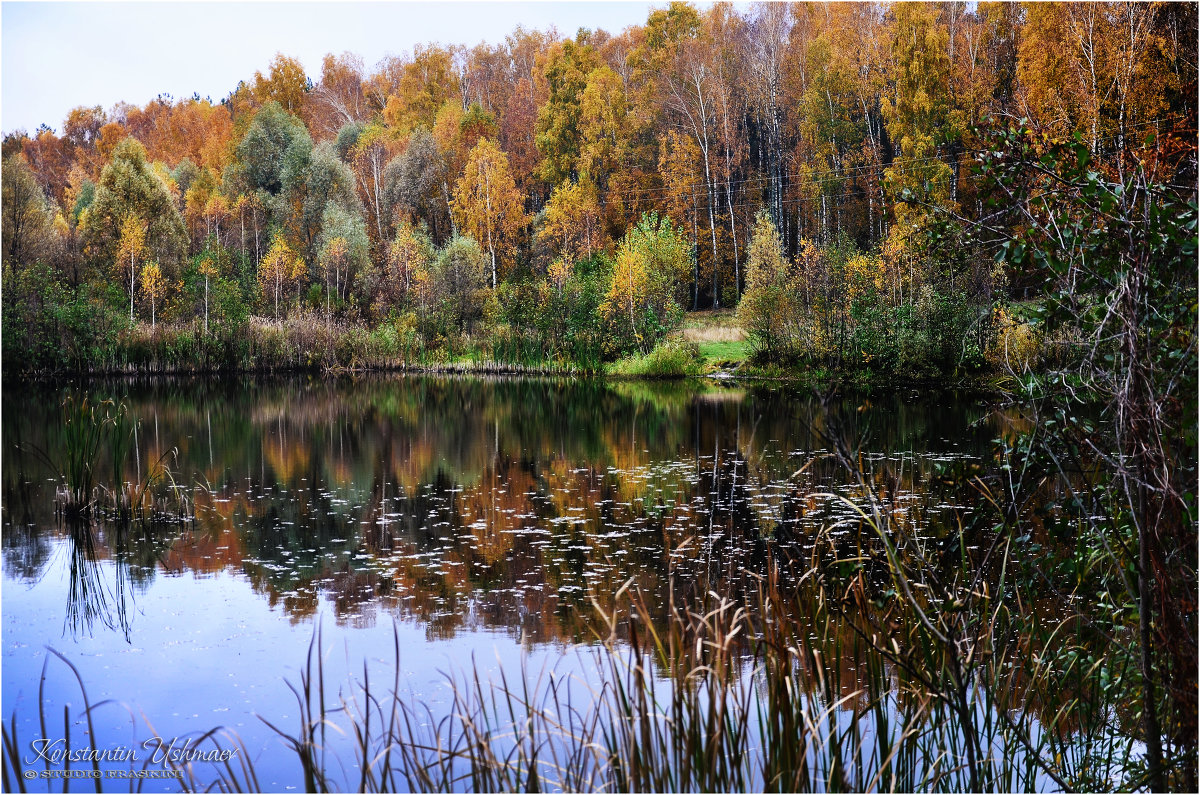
{"points": [[708, 344], [721, 339]]}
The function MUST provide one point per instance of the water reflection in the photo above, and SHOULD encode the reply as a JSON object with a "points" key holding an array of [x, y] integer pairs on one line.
{"points": [[108, 563], [469, 503]]}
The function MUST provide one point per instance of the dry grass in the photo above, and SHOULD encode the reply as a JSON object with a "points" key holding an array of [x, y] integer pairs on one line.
{"points": [[714, 334], [719, 325]]}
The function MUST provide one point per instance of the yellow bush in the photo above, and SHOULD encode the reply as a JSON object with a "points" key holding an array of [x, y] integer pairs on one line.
{"points": [[1016, 345]]}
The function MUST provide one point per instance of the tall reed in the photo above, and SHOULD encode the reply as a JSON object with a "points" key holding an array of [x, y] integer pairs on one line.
{"points": [[725, 696]]}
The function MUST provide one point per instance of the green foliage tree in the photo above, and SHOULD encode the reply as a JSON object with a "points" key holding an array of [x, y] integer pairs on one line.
{"points": [[568, 315], [26, 215], [184, 174], [263, 150], [566, 73], [455, 287], [347, 138], [129, 187], [415, 184], [1121, 259], [314, 181], [345, 250], [211, 282]]}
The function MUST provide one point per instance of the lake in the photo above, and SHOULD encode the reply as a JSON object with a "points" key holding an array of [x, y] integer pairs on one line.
{"points": [[478, 523]]}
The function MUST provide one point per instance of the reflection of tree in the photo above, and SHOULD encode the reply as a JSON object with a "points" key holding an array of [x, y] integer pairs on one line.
{"points": [[26, 547], [498, 501], [468, 503]]}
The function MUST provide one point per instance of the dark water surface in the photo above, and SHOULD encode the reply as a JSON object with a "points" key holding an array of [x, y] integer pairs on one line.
{"points": [[476, 519]]}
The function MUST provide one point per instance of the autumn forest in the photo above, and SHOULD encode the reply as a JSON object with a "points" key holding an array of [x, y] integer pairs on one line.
{"points": [[563, 200]]}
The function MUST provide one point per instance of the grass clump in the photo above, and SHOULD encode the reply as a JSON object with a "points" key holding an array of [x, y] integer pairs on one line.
{"points": [[97, 438], [672, 358]]}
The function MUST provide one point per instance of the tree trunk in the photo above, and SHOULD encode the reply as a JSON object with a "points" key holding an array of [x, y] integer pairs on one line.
{"points": [[1150, 724], [712, 223], [737, 276], [487, 187]]}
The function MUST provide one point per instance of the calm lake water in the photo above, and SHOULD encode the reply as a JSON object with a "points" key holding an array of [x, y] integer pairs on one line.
{"points": [[472, 519]]}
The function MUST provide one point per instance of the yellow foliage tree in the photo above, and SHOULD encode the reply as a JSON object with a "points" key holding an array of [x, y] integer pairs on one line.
{"points": [[408, 261], [216, 210], [286, 84], [488, 206], [920, 115], [605, 125], [764, 310], [572, 227], [131, 248], [208, 269], [279, 269], [642, 292], [154, 287]]}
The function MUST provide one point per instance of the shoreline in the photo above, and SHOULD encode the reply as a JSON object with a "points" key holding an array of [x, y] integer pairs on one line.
{"points": [[861, 381]]}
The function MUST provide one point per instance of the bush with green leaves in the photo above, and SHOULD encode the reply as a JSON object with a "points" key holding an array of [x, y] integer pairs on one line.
{"points": [[642, 302], [1118, 251], [898, 310], [50, 326], [453, 293], [674, 357]]}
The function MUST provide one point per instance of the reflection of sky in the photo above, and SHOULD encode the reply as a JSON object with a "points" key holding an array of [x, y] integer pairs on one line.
{"points": [[218, 655]]}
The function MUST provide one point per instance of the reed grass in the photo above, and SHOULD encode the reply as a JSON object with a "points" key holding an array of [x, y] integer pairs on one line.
{"points": [[672, 358], [726, 696], [308, 342], [96, 433]]}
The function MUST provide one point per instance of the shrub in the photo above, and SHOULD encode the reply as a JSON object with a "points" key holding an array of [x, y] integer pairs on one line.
{"points": [[641, 304], [49, 326]]}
